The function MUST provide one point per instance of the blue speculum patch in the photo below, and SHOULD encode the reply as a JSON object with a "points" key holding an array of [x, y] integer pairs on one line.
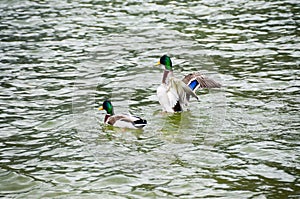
{"points": [[193, 84]]}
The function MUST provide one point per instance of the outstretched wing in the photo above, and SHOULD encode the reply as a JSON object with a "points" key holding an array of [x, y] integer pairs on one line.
{"points": [[197, 80], [181, 91]]}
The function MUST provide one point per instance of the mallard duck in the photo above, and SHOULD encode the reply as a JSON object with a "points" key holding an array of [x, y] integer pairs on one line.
{"points": [[121, 120], [174, 94]]}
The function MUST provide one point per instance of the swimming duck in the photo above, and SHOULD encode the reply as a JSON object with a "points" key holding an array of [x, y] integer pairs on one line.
{"points": [[121, 120], [174, 94]]}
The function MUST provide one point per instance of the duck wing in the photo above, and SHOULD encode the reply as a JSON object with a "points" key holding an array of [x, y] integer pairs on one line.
{"points": [[181, 90], [127, 121], [175, 93], [197, 80]]}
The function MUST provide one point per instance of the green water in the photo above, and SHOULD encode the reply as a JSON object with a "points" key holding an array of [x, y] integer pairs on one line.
{"points": [[60, 59]]}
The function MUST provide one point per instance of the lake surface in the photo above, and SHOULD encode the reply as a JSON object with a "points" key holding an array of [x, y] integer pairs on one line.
{"points": [[59, 60]]}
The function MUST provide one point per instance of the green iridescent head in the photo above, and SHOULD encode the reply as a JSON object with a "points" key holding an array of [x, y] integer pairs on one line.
{"points": [[166, 61], [108, 107]]}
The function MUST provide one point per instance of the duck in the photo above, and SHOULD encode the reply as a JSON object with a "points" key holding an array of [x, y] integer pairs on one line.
{"points": [[121, 120], [174, 94]]}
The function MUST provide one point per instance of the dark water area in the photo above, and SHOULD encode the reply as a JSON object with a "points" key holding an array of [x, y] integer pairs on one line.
{"points": [[60, 59]]}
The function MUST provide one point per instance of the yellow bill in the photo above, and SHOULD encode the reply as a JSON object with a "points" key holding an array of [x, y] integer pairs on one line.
{"points": [[100, 108]]}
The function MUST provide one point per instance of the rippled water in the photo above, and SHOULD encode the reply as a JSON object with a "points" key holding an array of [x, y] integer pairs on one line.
{"points": [[60, 59]]}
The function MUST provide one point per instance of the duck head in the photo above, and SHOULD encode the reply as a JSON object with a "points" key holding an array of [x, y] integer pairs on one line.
{"points": [[166, 61], [108, 107]]}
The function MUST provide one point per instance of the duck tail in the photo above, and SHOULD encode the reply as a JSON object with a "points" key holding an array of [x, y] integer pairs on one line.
{"points": [[140, 123], [177, 107]]}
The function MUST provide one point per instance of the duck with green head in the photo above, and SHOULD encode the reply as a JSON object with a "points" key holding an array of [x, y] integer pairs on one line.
{"points": [[121, 120], [174, 94]]}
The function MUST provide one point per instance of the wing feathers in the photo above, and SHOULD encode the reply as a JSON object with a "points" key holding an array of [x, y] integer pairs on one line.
{"points": [[203, 81], [126, 121], [179, 91]]}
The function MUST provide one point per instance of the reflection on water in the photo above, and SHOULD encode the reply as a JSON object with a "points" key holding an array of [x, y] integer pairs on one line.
{"points": [[60, 59]]}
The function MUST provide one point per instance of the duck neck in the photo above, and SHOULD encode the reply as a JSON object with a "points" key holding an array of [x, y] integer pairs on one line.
{"points": [[106, 117], [166, 74]]}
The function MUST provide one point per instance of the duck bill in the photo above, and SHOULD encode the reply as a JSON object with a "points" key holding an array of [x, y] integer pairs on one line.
{"points": [[157, 64], [100, 108]]}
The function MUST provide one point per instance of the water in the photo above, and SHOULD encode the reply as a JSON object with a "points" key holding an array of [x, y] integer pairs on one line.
{"points": [[60, 59]]}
